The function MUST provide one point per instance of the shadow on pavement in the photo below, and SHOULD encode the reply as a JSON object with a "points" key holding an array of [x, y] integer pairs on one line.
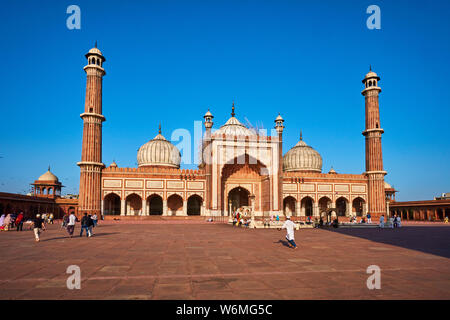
{"points": [[429, 239], [75, 236], [283, 242]]}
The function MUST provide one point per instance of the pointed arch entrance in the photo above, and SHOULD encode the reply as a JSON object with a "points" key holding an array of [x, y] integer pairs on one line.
{"points": [[133, 205], [251, 175], [289, 206], [358, 206], [341, 206], [194, 205], [238, 197], [307, 206], [155, 205], [112, 204], [174, 205]]}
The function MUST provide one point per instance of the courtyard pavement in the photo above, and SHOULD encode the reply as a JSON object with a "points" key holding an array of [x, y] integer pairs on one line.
{"points": [[218, 261]]}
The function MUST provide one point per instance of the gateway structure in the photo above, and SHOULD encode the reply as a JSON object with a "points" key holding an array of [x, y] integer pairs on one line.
{"points": [[240, 168]]}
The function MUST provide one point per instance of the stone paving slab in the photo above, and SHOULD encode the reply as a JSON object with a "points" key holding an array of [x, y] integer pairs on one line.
{"points": [[218, 261]]}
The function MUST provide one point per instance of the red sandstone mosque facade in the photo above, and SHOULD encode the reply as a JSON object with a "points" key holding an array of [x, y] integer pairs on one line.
{"points": [[239, 168]]}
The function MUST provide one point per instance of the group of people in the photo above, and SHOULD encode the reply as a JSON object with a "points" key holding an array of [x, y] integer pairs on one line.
{"points": [[88, 223], [38, 223], [11, 221], [273, 218], [395, 221], [365, 219], [240, 220]]}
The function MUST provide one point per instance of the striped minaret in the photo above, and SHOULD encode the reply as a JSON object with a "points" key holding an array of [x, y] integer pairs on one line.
{"points": [[91, 153], [207, 160], [279, 127], [374, 155]]}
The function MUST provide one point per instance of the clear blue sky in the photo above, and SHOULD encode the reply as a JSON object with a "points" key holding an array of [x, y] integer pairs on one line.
{"points": [[170, 61]]}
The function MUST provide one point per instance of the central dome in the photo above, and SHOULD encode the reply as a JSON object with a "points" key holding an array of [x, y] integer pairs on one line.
{"points": [[302, 158], [159, 152], [233, 127]]}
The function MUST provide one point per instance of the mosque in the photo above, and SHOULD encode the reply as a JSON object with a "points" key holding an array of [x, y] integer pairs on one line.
{"points": [[240, 168]]}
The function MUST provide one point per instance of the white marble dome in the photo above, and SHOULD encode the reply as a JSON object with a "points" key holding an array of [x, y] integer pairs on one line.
{"points": [[159, 152], [48, 176], [95, 51], [234, 128], [302, 158]]}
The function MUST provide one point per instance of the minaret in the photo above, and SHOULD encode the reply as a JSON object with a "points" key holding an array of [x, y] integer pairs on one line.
{"points": [[207, 154], [91, 153], [374, 155], [279, 127]]}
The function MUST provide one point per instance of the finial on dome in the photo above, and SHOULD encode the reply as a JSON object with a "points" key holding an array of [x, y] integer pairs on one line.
{"points": [[232, 109], [370, 67], [159, 129], [301, 135]]}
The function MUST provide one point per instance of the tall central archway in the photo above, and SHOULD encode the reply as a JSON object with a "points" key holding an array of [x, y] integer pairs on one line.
{"points": [[238, 197], [248, 173]]}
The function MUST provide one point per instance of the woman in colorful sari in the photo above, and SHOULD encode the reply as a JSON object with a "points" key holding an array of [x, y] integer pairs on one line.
{"points": [[2, 221], [7, 222]]}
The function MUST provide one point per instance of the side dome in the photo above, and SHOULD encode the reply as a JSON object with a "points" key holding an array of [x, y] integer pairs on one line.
{"points": [[302, 158], [159, 152], [48, 176]]}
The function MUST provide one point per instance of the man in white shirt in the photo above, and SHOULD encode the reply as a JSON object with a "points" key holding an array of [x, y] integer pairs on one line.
{"points": [[289, 226], [382, 221], [71, 224]]}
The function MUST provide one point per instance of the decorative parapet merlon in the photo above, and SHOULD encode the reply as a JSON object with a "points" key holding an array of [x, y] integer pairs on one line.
{"points": [[157, 171]]}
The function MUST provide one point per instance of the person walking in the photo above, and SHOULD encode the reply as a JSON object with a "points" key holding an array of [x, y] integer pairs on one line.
{"points": [[19, 221], [369, 218], [94, 219], [65, 221], [85, 225], [289, 226], [38, 226], [382, 221], [71, 224], [90, 225]]}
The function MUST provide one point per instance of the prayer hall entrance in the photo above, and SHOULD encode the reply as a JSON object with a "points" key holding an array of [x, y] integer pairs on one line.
{"points": [[238, 197]]}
